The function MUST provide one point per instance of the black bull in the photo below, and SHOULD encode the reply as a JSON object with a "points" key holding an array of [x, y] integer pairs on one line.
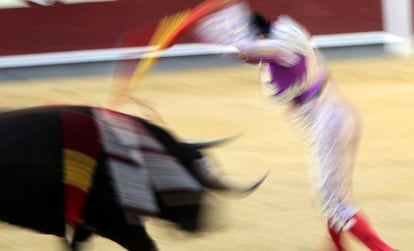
{"points": [[32, 191]]}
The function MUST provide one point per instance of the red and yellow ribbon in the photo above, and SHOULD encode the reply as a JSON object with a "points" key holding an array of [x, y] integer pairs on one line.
{"points": [[169, 29]]}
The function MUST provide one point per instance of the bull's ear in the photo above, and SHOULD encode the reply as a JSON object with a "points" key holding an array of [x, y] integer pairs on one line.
{"points": [[199, 145]]}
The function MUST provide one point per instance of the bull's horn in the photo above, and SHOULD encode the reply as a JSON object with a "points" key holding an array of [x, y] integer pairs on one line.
{"points": [[206, 144], [256, 184], [212, 181], [242, 190]]}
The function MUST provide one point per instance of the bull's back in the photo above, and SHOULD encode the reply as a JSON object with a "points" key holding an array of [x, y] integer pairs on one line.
{"points": [[30, 165]]}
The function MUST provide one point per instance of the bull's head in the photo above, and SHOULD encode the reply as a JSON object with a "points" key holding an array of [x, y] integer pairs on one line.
{"points": [[188, 216]]}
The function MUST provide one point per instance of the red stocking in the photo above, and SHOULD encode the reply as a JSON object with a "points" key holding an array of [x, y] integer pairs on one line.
{"points": [[336, 238], [362, 230]]}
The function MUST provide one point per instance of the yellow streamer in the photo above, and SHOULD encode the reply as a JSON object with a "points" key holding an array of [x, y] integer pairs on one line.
{"points": [[159, 40]]}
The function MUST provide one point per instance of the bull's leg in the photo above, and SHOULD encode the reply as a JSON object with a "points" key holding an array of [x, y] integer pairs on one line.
{"points": [[133, 238], [81, 236]]}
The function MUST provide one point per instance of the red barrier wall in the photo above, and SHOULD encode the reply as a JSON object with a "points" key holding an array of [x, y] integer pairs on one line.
{"points": [[65, 27]]}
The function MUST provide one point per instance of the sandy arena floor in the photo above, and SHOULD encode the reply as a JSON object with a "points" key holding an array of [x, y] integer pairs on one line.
{"points": [[280, 216]]}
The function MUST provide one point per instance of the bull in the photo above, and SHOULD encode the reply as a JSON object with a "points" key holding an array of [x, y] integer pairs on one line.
{"points": [[74, 171]]}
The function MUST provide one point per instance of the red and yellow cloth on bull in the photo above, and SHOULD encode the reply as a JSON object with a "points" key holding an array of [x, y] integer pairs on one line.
{"points": [[80, 152]]}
